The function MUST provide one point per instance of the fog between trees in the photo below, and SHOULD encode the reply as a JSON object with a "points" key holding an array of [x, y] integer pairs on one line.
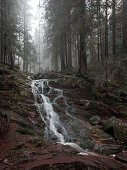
{"points": [[70, 34]]}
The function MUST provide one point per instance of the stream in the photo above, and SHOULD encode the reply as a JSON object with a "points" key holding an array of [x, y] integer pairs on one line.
{"points": [[62, 126], [54, 127]]}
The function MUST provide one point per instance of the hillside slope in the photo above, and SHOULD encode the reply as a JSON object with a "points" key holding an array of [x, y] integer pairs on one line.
{"points": [[23, 145]]}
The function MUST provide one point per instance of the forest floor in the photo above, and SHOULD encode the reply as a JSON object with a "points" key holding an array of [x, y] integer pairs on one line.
{"points": [[23, 145]]}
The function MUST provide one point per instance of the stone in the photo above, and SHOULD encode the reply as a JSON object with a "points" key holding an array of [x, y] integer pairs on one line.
{"points": [[120, 131], [109, 123], [117, 128], [95, 120], [122, 157]]}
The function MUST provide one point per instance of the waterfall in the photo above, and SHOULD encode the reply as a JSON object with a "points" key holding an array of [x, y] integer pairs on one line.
{"points": [[53, 126]]}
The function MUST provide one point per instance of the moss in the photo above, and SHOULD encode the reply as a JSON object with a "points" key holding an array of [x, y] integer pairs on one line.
{"points": [[20, 147], [109, 123], [120, 132], [23, 124], [39, 141], [24, 131], [21, 113]]}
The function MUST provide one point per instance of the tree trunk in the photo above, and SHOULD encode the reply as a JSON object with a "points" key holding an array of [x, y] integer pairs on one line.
{"points": [[114, 28], [82, 56], [69, 51], [106, 30], [124, 25], [62, 54]]}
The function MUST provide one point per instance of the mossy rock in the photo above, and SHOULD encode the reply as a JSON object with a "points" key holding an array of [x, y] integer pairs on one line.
{"points": [[120, 132], [117, 128], [95, 120], [109, 123]]}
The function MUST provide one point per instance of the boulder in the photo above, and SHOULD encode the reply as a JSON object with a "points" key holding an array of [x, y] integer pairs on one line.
{"points": [[122, 156], [120, 131], [117, 128], [108, 124], [95, 120]]}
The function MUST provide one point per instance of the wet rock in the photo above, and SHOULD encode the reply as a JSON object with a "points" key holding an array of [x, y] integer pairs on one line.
{"points": [[60, 101], [89, 144], [54, 84], [39, 99], [40, 89], [45, 88], [53, 94], [107, 149], [122, 157], [39, 76], [95, 120]]}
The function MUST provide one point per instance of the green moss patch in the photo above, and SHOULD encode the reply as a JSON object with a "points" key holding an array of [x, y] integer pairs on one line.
{"points": [[25, 131], [23, 124]]}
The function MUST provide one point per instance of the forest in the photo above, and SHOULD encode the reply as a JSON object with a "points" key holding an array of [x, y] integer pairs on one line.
{"points": [[63, 84]]}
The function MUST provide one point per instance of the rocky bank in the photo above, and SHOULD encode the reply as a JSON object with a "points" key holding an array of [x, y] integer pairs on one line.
{"points": [[23, 146]]}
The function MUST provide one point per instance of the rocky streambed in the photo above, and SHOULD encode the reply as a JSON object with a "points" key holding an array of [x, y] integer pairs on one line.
{"points": [[94, 133]]}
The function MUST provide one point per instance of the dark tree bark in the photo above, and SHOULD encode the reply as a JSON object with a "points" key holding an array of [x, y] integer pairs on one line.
{"points": [[62, 54], [114, 28], [82, 55], [106, 30], [124, 25], [69, 52], [99, 29], [55, 54]]}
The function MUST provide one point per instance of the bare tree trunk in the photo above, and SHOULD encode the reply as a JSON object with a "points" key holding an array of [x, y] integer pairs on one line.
{"points": [[24, 55], [106, 30], [106, 43], [69, 51], [124, 25], [62, 54], [82, 56], [99, 26], [55, 54], [114, 28]]}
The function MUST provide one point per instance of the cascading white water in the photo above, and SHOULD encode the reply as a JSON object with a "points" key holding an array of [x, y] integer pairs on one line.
{"points": [[51, 119]]}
